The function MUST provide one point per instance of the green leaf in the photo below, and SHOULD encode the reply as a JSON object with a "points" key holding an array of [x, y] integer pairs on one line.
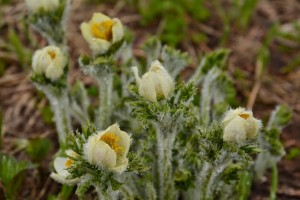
{"points": [[214, 59], [280, 117], [17, 46], [37, 149], [47, 114], [65, 193], [115, 185], [183, 179], [174, 60], [83, 187], [10, 168], [293, 153], [136, 163], [11, 174]]}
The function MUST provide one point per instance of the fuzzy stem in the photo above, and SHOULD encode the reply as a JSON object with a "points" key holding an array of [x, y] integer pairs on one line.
{"points": [[59, 102], [111, 195], [274, 182], [205, 181], [215, 172], [165, 142], [128, 195], [105, 84], [245, 185], [151, 192]]}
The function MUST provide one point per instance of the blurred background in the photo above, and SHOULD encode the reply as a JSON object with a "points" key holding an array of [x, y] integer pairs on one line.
{"points": [[263, 36]]}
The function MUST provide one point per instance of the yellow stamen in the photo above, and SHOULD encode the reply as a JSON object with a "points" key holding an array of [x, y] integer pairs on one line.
{"points": [[52, 54], [112, 140], [102, 30], [244, 116], [68, 163]]}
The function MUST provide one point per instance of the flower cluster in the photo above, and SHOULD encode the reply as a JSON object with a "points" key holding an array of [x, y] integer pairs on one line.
{"points": [[169, 112]]}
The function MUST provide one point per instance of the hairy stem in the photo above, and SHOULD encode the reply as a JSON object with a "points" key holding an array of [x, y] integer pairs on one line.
{"points": [[105, 83], [217, 171], [59, 102], [165, 142], [274, 182]]}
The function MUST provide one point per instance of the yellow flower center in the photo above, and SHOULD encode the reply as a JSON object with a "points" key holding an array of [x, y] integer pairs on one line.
{"points": [[52, 54], [112, 140], [244, 115], [68, 163], [102, 30]]}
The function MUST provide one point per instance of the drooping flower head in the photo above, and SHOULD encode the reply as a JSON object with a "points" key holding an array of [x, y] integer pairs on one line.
{"points": [[239, 125], [37, 5], [156, 83], [108, 149], [49, 61], [101, 32]]}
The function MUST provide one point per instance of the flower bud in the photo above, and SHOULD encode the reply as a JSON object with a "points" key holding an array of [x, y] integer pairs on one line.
{"points": [[50, 62], [239, 125], [156, 83], [101, 32], [108, 149], [46, 5]]}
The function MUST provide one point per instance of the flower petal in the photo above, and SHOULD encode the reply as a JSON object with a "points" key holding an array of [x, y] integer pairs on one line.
{"points": [[53, 72], [252, 127], [235, 131], [230, 114], [117, 31], [86, 32], [147, 88], [165, 82], [121, 167], [62, 179], [99, 46], [59, 166], [99, 17], [99, 153]]}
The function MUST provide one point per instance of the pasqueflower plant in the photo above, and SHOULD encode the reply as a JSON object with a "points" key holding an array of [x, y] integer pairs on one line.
{"points": [[152, 136]]}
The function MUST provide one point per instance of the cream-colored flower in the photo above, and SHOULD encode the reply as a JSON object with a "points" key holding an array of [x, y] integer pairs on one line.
{"points": [[47, 5], [49, 61], [108, 149], [239, 125], [61, 164], [156, 83], [101, 32]]}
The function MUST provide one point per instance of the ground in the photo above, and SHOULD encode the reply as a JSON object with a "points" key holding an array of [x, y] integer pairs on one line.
{"points": [[22, 106]]}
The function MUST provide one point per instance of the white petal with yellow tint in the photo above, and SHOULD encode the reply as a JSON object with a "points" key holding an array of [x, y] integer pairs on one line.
{"points": [[117, 31], [99, 17], [60, 167], [86, 32], [235, 131], [53, 72], [99, 153], [252, 127], [232, 113], [121, 167], [166, 83], [99, 45], [147, 88]]}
